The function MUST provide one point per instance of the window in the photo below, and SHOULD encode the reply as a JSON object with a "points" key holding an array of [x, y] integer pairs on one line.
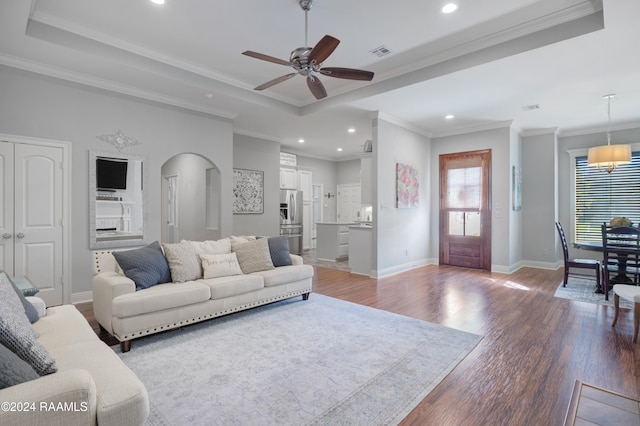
{"points": [[600, 196]]}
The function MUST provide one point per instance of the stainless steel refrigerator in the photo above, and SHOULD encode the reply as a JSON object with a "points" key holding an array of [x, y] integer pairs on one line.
{"points": [[291, 218]]}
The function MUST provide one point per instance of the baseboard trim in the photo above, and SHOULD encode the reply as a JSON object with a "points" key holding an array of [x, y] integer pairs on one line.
{"points": [[83, 297], [381, 273]]}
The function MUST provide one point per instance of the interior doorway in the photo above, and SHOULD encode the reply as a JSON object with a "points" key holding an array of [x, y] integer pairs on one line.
{"points": [[316, 212], [465, 209]]}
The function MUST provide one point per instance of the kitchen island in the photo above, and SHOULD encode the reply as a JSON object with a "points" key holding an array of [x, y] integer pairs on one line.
{"points": [[360, 250], [332, 240]]}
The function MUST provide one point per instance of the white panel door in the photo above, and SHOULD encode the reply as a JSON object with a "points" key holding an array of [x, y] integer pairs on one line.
{"points": [[348, 203], [6, 212], [32, 213]]}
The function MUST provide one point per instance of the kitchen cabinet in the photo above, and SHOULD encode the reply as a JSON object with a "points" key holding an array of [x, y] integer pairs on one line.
{"points": [[288, 178]]}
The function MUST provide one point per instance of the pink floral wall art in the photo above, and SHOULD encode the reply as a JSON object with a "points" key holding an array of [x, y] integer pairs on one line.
{"points": [[407, 186]]}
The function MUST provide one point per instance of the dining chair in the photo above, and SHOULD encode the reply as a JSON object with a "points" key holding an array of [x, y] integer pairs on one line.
{"points": [[576, 263], [632, 294], [621, 256]]}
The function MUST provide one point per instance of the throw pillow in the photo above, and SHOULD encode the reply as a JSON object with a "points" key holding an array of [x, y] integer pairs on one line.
{"points": [[17, 334], [13, 370], [146, 266], [220, 265], [254, 256], [279, 251], [222, 246], [183, 262], [240, 240], [29, 309]]}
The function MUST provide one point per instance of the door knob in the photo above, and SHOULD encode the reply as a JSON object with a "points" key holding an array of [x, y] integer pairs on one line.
{"points": [[6, 235], [20, 235]]}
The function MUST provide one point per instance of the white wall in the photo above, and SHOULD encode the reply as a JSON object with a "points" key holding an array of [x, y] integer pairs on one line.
{"points": [[401, 236], [43, 107], [348, 172], [539, 183], [259, 154]]}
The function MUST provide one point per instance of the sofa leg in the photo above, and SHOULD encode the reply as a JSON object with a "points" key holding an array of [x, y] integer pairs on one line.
{"points": [[305, 296], [125, 346]]}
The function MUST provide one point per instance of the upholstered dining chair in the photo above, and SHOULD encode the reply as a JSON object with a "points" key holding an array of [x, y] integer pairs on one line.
{"points": [[576, 263], [632, 294]]}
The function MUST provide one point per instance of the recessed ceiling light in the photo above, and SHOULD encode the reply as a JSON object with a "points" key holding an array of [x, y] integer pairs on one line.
{"points": [[351, 130], [339, 149], [300, 140], [449, 117], [208, 95], [157, 1], [449, 7]]}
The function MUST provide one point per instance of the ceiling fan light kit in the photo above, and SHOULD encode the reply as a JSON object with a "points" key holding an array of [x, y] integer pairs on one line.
{"points": [[308, 61]]}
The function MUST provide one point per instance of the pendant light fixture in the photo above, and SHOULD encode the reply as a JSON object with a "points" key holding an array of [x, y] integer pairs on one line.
{"points": [[609, 156]]}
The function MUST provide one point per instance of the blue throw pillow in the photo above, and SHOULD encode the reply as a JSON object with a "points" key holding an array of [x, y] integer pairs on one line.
{"points": [[146, 266], [13, 370], [279, 251]]}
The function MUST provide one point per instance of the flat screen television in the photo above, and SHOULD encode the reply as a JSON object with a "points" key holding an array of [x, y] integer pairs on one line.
{"points": [[111, 174]]}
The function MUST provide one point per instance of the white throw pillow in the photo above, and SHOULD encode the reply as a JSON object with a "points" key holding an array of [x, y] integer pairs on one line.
{"points": [[222, 246], [220, 265], [183, 262]]}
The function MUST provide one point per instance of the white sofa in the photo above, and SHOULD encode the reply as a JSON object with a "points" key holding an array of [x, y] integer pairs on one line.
{"points": [[91, 386], [128, 314]]}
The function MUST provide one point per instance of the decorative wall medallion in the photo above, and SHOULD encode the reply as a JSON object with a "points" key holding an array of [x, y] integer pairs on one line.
{"points": [[119, 140], [248, 190]]}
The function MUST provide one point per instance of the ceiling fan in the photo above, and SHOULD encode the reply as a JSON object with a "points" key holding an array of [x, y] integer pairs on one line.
{"points": [[308, 61]]}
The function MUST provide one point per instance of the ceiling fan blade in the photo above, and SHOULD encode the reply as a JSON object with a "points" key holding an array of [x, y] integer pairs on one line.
{"points": [[276, 81], [348, 73], [316, 87], [323, 49], [266, 57]]}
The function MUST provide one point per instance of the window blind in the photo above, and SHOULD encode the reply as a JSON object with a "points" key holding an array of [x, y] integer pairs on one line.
{"points": [[601, 196]]}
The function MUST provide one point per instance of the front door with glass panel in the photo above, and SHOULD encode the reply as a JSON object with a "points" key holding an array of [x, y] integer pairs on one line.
{"points": [[465, 213]]}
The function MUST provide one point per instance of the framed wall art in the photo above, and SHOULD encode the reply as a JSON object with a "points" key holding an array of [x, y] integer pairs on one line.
{"points": [[407, 186], [248, 191]]}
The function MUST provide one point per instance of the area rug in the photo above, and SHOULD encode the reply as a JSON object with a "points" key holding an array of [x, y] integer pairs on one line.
{"points": [[322, 361], [583, 290]]}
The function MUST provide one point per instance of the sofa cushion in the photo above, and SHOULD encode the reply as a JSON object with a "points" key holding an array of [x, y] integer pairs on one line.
{"points": [[221, 246], [254, 256], [233, 285], [17, 334], [279, 251], [285, 274], [14, 370], [146, 266], [121, 396], [160, 297], [235, 240], [63, 325], [183, 262], [220, 265]]}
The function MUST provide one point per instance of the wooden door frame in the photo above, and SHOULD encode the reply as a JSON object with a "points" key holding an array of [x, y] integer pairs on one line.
{"points": [[485, 224], [66, 208]]}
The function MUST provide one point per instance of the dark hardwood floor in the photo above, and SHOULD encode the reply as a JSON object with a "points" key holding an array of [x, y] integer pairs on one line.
{"points": [[535, 346]]}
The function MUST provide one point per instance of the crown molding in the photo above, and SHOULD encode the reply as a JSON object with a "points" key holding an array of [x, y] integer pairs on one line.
{"points": [[110, 86], [599, 129], [472, 129], [401, 123]]}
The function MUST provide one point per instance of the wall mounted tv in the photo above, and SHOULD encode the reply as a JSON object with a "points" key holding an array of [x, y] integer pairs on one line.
{"points": [[111, 174]]}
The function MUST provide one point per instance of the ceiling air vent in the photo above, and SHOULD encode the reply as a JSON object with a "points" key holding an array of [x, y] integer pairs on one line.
{"points": [[380, 51]]}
